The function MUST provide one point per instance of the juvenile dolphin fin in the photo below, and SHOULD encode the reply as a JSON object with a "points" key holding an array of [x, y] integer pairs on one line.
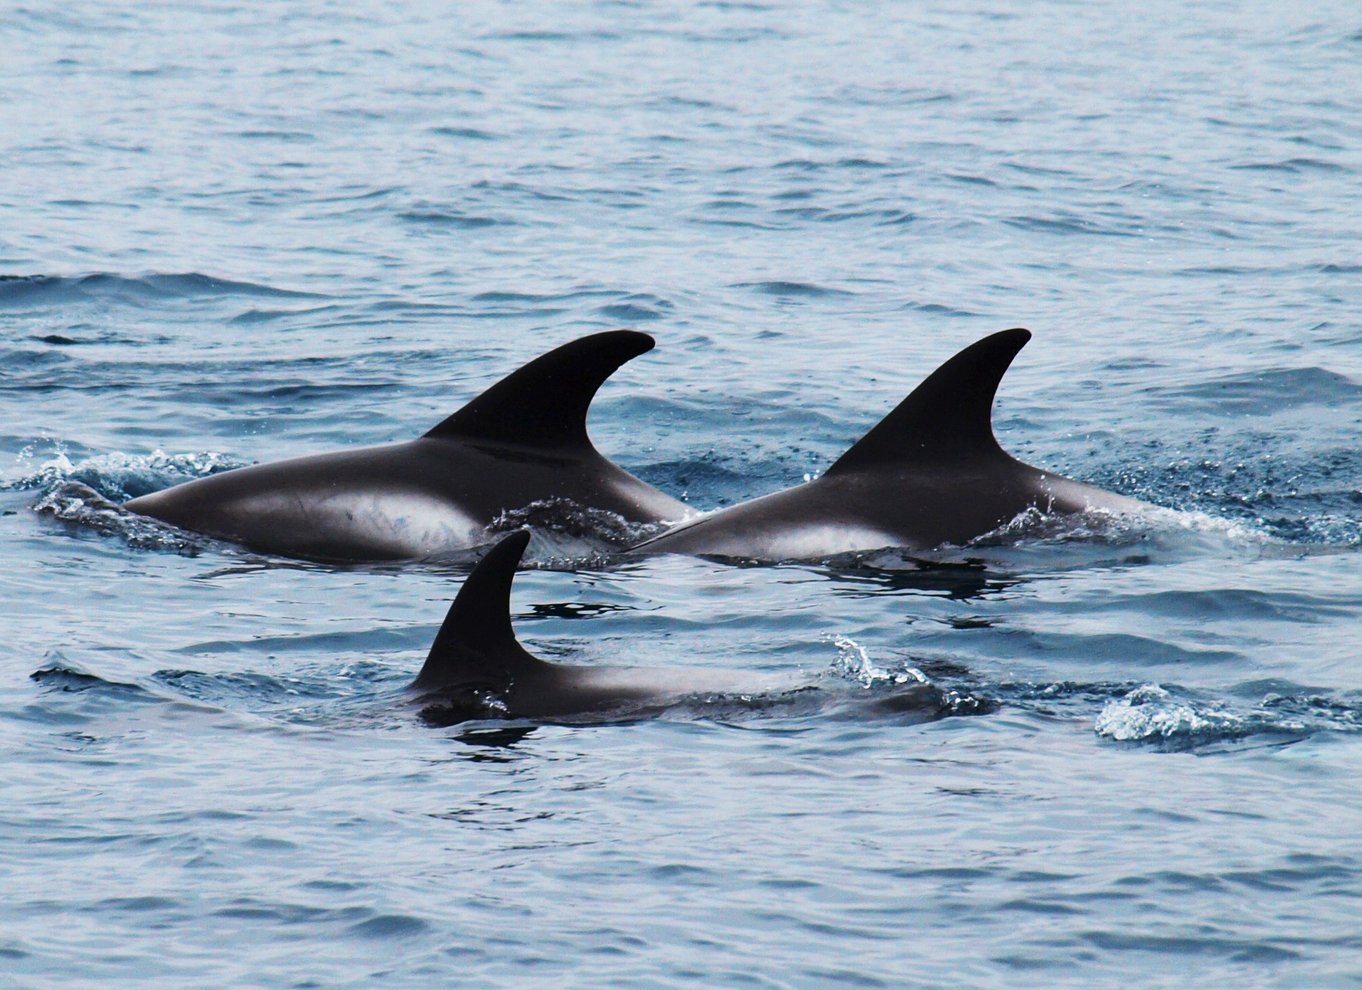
{"points": [[544, 403], [948, 417], [476, 647]]}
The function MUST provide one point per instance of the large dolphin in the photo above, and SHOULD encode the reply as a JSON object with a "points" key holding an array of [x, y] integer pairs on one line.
{"points": [[931, 473], [522, 441], [478, 669]]}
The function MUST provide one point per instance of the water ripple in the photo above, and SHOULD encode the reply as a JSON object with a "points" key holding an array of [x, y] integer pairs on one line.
{"points": [[60, 289], [238, 232]]}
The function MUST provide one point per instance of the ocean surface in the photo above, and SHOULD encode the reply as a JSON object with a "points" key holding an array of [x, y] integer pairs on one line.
{"points": [[232, 233]]}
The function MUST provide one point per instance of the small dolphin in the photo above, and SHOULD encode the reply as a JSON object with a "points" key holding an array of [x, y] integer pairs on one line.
{"points": [[522, 441], [930, 473], [478, 669]]}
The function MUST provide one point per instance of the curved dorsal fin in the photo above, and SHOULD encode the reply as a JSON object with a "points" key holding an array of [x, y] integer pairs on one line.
{"points": [[476, 644], [948, 417], [544, 403]]}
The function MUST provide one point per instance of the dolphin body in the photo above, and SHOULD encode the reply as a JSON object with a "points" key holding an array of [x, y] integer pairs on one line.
{"points": [[931, 473], [478, 669], [522, 441]]}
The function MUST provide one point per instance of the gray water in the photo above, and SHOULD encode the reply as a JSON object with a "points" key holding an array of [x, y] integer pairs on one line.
{"points": [[241, 233]]}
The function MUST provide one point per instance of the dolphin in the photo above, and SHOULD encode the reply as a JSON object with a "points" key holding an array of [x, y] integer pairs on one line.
{"points": [[931, 473], [478, 669], [521, 442]]}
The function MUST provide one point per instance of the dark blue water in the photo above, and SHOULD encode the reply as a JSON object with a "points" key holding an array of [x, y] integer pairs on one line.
{"points": [[248, 232]]}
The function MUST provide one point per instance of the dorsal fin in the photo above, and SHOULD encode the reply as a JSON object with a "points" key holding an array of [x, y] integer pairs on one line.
{"points": [[544, 403], [948, 417], [476, 645]]}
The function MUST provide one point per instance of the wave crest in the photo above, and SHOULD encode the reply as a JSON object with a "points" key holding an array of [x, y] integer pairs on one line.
{"points": [[24, 290], [118, 476]]}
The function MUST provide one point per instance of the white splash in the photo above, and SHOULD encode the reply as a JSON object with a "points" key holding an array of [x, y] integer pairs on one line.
{"points": [[1151, 712], [853, 663], [114, 473]]}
